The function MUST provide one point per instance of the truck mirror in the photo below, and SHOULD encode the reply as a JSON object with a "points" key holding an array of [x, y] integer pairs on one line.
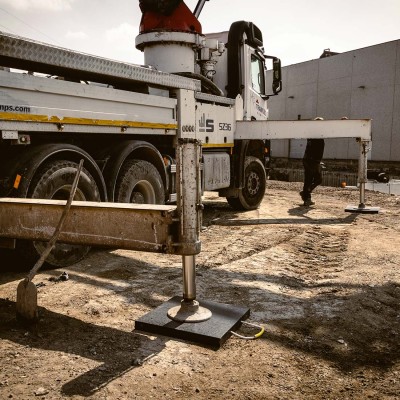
{"points": [[277, 80], [276, 76]]}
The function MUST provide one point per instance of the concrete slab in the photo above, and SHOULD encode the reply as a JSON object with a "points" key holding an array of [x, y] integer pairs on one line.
{"points": [[213, 332]]}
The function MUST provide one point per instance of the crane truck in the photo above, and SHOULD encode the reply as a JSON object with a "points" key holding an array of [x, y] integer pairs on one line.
{"points": [[193, 118]]}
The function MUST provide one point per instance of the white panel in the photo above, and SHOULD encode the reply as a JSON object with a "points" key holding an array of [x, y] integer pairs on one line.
{"points": [[297, 148], [216, 171], [215, 125], [376, 101], [373, 93], [301, 94], [221, 71], [376, 62], [277, 104], [13, 135], [395, 136], [334, 68], [49, 97], [280, 148], [159, 57], [186, 113], [303, 129], [302, 74]]}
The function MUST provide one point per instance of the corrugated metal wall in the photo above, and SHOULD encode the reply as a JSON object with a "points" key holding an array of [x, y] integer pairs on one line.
{"points": [[363, 83]]}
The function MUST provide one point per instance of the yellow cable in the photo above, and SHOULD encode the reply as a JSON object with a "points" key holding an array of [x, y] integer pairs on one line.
{"points": [[256, 336]]}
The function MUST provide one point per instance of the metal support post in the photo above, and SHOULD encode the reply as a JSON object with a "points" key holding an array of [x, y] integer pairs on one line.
{"points": [[362, 170], [189, 278], [362, 180], [189, 210], [189, 206]]}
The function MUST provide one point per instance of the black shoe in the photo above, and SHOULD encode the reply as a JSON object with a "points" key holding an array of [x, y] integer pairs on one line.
{"points": [[308, 202], [302, 195]]}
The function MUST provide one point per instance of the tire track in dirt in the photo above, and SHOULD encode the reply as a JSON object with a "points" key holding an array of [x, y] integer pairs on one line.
{"points": [[313, 254], [291, 264], [243, 243], [318, 253]]}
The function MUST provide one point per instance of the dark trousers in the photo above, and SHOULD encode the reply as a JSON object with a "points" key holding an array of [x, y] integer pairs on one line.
{"points": [[312, 177]]}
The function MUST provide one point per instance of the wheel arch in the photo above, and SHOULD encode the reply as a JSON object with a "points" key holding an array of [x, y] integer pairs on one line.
{"points": [[133, 149], [28, 163], [246, 148]]}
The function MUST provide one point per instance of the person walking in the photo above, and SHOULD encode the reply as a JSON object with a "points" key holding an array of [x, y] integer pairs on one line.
{"points": [[312, 167]]}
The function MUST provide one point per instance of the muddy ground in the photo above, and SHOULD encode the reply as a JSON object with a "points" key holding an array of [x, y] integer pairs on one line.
{"points": [[323, 282]]}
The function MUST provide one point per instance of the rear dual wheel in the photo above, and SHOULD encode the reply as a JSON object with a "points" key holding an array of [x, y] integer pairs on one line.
{"points": [[54, 181], [139, 182]]}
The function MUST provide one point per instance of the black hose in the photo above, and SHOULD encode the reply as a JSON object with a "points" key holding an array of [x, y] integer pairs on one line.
{"points": [[207, 86]]}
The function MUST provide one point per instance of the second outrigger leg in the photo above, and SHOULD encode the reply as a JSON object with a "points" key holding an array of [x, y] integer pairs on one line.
{"points": [[362, 180]]}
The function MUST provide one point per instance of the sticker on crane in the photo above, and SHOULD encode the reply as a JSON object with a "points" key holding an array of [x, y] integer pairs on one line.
{"points": [[206, 125]]}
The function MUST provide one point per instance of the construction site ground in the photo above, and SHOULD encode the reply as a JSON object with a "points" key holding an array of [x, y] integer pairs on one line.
{"points": [[323, 282]]}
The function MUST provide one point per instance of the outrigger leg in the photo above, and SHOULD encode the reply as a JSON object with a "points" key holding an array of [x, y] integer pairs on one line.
{"points": [[362, 180], [185, 317]]}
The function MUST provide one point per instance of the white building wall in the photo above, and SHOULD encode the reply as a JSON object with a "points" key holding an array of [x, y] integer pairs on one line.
{"points": [[363, 83]]}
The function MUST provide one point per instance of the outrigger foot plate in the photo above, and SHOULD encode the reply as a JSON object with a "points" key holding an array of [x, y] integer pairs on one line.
{"points": [[213, 332], [362, 210]]}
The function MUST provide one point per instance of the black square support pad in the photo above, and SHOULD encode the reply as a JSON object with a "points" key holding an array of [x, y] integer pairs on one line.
{"points": [[213, 332]]}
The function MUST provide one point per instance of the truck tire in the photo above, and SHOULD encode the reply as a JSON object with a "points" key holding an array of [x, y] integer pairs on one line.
{"points": [[54, 181], [252, 194], [139, 182]]}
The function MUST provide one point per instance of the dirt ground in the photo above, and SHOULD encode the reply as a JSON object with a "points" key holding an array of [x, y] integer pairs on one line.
{"points": [[323, 282]]}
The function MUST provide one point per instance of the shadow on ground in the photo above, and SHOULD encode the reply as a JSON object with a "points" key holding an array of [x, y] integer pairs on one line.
{"points": [[364, 332], [117, 351]]}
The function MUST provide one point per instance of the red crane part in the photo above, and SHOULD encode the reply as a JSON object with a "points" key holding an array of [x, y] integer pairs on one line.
{"points": [[181, 19]]}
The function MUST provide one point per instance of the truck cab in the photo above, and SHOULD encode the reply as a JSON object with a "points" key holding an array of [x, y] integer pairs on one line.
{"points": [[241, 69]]}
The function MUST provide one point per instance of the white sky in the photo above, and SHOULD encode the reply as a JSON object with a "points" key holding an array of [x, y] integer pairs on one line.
{"points": [[293, 30]]}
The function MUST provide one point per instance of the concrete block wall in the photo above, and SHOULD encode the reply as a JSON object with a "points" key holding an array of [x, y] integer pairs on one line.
{"points": [[363, 83]]}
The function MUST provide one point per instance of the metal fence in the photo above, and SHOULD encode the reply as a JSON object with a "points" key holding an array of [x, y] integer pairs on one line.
{"points": [[336, 179], [329, 178]]}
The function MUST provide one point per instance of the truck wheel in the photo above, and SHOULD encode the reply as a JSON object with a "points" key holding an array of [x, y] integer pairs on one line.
{"points": [[139, 182], [253, 191], [54, 181]]}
